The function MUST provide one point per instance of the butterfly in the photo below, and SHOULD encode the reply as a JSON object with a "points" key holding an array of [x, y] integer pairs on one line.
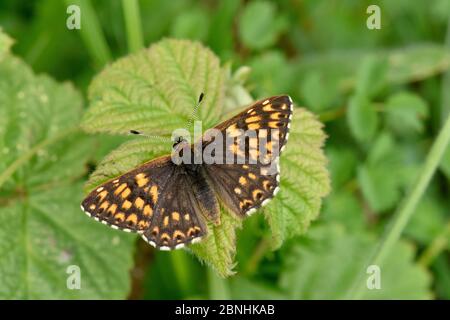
{"points": [[169, 203]]}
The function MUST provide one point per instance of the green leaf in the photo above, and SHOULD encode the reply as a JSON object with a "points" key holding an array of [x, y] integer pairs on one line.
{"points": [[362, 118], [405, 65], [273, 73], [380, 190], [304, 179], [386, 173], [343, 162], [428, 221], [220, 39], [122, 98], [344, 207], [405, 113], [323, 267], [319, 91], [156, 89], [192, 24], [42, 229], [219, 248], [259, 25], [371, 76]]}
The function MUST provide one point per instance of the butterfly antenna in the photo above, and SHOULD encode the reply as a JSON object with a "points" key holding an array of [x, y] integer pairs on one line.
{"points": [[193, 114], [139, 133]]}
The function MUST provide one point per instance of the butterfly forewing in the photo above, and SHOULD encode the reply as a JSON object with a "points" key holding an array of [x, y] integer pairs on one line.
{"points": [[128, 202], [155, 200], [245, 187]]}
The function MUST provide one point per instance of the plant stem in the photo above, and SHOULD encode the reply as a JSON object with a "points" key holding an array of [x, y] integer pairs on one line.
{"points": [[133, 25], [218, 287], [445, 93], [92, 34], [406, 209]]}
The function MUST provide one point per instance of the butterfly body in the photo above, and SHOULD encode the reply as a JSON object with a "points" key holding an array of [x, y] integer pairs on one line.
{"points": [[170, 200]]}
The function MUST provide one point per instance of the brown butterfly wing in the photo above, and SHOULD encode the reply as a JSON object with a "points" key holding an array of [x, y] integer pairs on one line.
{"points": [[129, 201], [156, 200], [178, 218], [245, 187]]}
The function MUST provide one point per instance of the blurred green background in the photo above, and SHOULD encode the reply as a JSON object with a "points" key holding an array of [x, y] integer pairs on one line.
{"points": [[382, 95]]}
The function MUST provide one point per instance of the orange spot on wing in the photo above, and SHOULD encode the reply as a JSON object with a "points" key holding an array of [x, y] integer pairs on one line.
{"points": [[102, 195], [120, 217], [126, 204], [154, 194], [120, 188], [132, 218], [104, 205], [175, 216], [148, 211], [275, 124], [178, 235], [166, 221], [266, 184], [125, 193], [139, 203], [113, 208], [252, 119], [165, 237], [268, 107], [141, 179], [257, 194]]}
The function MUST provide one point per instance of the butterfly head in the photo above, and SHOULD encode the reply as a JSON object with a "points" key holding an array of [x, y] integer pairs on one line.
{"points": [[180, 149]]}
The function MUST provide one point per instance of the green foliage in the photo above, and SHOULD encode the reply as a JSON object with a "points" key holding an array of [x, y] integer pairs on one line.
{"points": [[155, 90], [128, 95], [405, 112], [304, 181], [5, 44], [272, 71], [382, 193], [319, 91], [260, 25], [408, 64], [192, 24], [42, 232], [362, 118], [382, 95], [317, 271]]}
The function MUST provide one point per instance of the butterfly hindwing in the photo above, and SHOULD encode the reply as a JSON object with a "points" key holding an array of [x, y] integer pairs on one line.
{"points": [[245, 187], [178, 219]]}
